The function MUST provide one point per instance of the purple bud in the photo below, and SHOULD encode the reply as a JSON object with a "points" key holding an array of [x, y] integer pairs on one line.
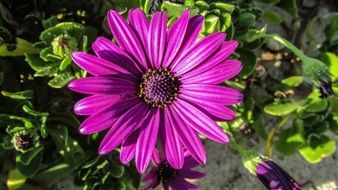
{"points": [[274, 177]]}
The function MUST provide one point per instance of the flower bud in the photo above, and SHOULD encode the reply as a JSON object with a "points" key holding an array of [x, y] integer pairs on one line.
{"points": [[63, 45], [24, 141]]}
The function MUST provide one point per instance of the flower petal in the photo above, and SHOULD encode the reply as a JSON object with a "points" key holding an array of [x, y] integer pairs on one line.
{"points": [[157, 36], [194, 28], [176, 35], [104, 85], [210, 94], [94, 103], [127, 123], [128, 147], [192, 174], [217, 74], [188, 137], [216, 112], [106, 117], [198, 53], [224, 52], [95, 65], [200, 122], [105, 49], [147, 140], [172, 145], [189, 161], [182, 184], [125, 37], [138, 21]]}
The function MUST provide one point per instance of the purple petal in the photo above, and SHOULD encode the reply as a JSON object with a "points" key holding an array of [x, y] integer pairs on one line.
{"points": [[217, 112], [172, 145], [189, 161], [200, 122], [105, 49], [94, 103], [95, 65], [217, 74], [157, 36], [156, 157], [182, 184], [192, 174], [152, 179], [210, 94], [175, 38], [225, 51], [147, 140], [104, 85], [125, 37], [106, 117], [198, 53], [194, 28], [139, 23], [127, 123], [188, 137], [128, 147]]}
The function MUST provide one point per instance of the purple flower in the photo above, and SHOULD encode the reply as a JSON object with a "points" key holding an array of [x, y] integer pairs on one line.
{"points": [[274, 177], [157, 82], [171, 177]]}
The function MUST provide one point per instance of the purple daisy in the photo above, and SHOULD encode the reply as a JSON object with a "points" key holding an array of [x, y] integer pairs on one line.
{"points": [[274, 177], [157, 82], [176, 179]]}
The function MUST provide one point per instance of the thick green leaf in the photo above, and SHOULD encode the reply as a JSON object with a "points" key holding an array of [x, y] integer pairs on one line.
{"points": [[53, 174], [22, 47], [316, 106], [71, 28], [61, 80], [224, 7], [27, 157], [20, 95], [65, 63], [280, 109], [32, 168], [332, 29], [36, 63], [319, 148], [293, 81], [249, 61], [15, 179], [272, 16], [331, 60], [117, 171], [51, 69], [291, 139]]}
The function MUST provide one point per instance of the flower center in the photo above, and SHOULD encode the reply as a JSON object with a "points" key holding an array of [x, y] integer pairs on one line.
{"points": [[24, 142], [166, 172], [159, 87]]}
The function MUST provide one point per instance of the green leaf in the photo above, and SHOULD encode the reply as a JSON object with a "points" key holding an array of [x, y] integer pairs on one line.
{"points": [[246, 20], [253, 34], [249, 61], [318, 148], [50, 22], [53, 174], [212, 24], [280, 109], [51, 69], [173, 9], [47, 55], [71, 28], [6, 35], [334, 105], [224, 7], [35, 62], [32, 168], [293, 81], [270, 1], [20, 95], [27, 157], [331, 60], [65, 63], [316, 106], [290, 6], [15, 179], [117, 171], [332, 29], [272, 16], [61, 80], [22, 47], [291, 139]]}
